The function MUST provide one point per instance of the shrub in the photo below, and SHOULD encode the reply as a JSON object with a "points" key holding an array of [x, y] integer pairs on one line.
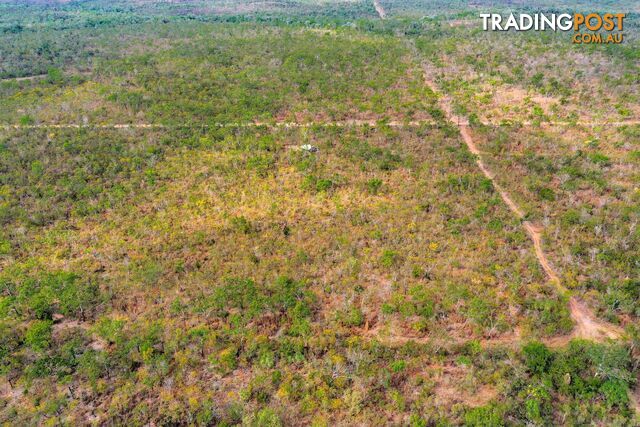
{"points": [[27, 120], [241, 224], [5, 247], [537, 403], [261, 164], [354, 317], [324, 184], [600, 159], [583, 367], [111, 330], [537, 80], [546, 194], [537, 357], [263, 418], [486, 185], [571, 217], [389, 258], [226, 360], [421, 299], [316, 184], [240, 294], [615, 392], [38, 336], [63, 292], [54, 75], [481, 311], [484, 416], [398, 366], [495, 225], [383, 158], [373, 185]]}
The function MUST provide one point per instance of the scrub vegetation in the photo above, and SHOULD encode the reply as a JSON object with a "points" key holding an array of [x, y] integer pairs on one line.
{"points": [[236, 213]]}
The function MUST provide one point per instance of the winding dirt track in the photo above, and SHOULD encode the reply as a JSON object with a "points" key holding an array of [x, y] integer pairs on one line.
{"points": [[586, 324], [381, 12]]}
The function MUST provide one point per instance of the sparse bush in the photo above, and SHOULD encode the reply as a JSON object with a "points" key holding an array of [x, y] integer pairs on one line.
{"points": [[373, 185], [242, 224], [389, 258]]}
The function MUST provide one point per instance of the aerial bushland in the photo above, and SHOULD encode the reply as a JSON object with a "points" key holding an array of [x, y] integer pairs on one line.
{"points": [[192, 274], [546, 137], [224, 73], [235, 251]]}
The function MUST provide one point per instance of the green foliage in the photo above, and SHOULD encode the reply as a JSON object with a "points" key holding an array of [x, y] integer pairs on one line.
{"points": [[112, 330], [69, 176], [383, 159], [5, 246], [135, 101], [484, 416], [241, 300], [389, 258], [549, 316], [316, 184], [373, 185], [27, 120], [546, 194], [398, 366], [242, 224], [38, 335], [537, 357], [537, 79], [263, 418], [571, 217], [183, 310], [10, 341], [226, 360], [537, 402], [456, 183], [600, 159], [55, 76], [261, 164], [354, 317], [481, 311], [423, 304], [43, 295], [583, 367], [616, 392]]}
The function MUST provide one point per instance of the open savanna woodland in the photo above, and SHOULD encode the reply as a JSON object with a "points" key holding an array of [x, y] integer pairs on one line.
{"points": [[316, 212]]}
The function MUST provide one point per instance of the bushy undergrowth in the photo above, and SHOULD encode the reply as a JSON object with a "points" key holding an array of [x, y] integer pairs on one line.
{"points": [[204, 275]]}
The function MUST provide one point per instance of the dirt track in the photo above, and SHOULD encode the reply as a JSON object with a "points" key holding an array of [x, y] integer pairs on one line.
{"points": [[22, 79], [381, 12], [586, 324], [462, 125]]}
